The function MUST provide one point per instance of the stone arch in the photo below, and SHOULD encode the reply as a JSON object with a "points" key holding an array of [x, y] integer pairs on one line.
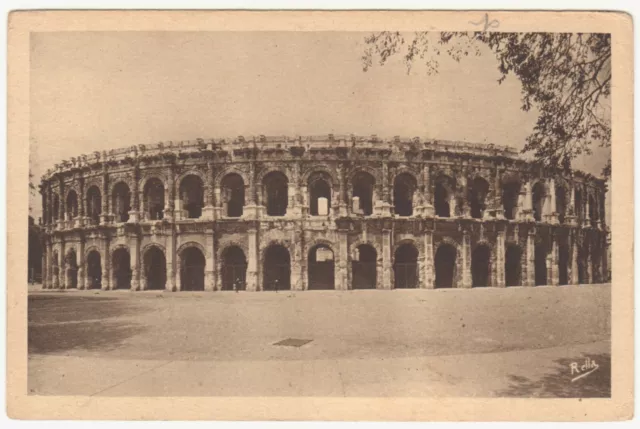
{"points": [[121, 197], [231, 170], [117, 180], [405, 265], [192, 243], [320, 184], [320, 272], [362, 186], [231, 243], [192, 172], [233, 268], [364, 266], [375, 173], [120, 261], [323, 169], [275, 192], [267, 170], [405, 187], [153, 197], [276, 264], [445, 263], [481, 264], [191, 190], [192, 262], [154, 263], [232, 194], [513, 261], [93, 261], [157, 175]]}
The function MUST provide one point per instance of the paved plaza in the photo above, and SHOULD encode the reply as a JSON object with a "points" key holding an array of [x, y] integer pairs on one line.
{"points": [[482, 342]]}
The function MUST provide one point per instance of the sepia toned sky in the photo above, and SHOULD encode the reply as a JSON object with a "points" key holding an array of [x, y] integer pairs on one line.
{"points": [[101, 90]]}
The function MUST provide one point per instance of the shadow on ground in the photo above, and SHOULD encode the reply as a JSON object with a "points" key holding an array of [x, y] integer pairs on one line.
{"points": [[59, 324], [558, 384]]}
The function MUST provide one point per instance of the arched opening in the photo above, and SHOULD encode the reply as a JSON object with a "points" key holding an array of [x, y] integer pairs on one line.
{"points": [[538, 194], [56, 208], [121, 265], [155, 268], [276, 193], [445, 264], [232, 195], [154, 198], [561, 203], [442, 197], [94, 204], [71, 264], [579, 209], [192, 196], [404, 187], [234, 269], [405, 267], [277, 268], [72, 204], [540, 262], [510, 194], [363, 267], [94, 270], [513, 266], [477, 197], [121, 202], [363, 184], [563, 264], [321, 268], [319, 195], [192, 269], [593, 211], [481, 266]]}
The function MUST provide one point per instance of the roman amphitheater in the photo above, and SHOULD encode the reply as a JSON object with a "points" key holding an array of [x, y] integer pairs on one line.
{"points": [[323, 212]]}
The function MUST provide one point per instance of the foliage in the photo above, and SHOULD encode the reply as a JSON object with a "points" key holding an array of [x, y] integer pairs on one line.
{"points": [[566, 77]]}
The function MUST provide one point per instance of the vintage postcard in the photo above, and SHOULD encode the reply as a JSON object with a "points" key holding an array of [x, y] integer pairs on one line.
{"points": [[320, 215]]}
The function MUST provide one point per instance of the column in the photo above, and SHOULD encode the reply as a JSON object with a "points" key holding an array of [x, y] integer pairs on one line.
{"points": [[81, 265], [46, 266], [341, 278], [499, 259], [552, 211], [553, 276], [530, 279], [63, 265], [342, 196], [135, 264], [293, 208], [170, 285], [62, 206], [586, 219], [428, 260], [386, 258], [385, 206], [428, 197], [252, 259], [81, 203], [210, 255], [168, 197], [466, 210], [571, 216], [134, 213], [573, 272], [208, 211], [497, 200], [527, 202], [465, 262], [106, 266], [105, 215]]}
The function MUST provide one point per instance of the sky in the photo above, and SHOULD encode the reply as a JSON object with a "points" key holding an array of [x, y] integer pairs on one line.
{"points": [[102, 90]]}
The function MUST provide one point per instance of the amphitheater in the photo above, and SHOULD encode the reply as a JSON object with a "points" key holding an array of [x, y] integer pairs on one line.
{"points": [[322, 212]]}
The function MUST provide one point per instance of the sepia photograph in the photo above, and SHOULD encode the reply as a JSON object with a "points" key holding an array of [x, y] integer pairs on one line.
{"points": [[393, 213]]}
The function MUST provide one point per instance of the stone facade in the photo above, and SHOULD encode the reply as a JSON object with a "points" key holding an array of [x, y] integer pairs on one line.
{"points": [[325, 212]]}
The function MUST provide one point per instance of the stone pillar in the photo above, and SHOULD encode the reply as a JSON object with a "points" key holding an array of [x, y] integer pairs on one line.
{"points": [[170, 285], [527, 207], [386, 206], [553, 269], [81, 265], [169, 195], [252, 260], [586, 218], [588, 258], [428, 210], [63, 203], [387, 270], [46, 267], [530, 276], [497, 198], [573, 272], [465, 262], [428, 260], [63, 265], [135, 212], [500, 280], [341, 276], [342, 196], [552, 211], [208, 211], [106, 267], [106, 211], [210, 255], [297, 274], [135, 263], [466, 210], [570, 218]]}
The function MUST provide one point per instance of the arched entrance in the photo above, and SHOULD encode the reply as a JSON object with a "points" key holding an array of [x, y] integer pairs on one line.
{"points": [[540, 256], [154, 199], [563, 264], [445, 264], [71, 264], [363, 267], [404, 187], [363, 184], [405, 267], [192, 196], [477, 197], [276, 193], [277, 268], [94, 204], [192, 269], [121, 202], [510, 194], [155, 268], [232, 195], [512, 266], [94, 270], [121, 264], [442, 196], [321, 268], [234, 269], [538, 195], [481, 266], [561, 203], [319, 194], [72, 204]]}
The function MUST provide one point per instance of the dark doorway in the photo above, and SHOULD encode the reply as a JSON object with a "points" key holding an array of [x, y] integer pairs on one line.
{"points": [[276, 193], [71, 265], [563, 264], [121, 264], [277, 268], [445, 262], [234, 269], [321, 268], [192, 196], [233, 195], [540, 256], [319, 188], [94, 270], [405, 267], [481, 266], [403, 188], [441, 200], [478, 196], [192, 270], [513, 266], [121, 202], [154, 199], [363, 184], [363, 267], [155, 268], [94, 205], [538, 195]]}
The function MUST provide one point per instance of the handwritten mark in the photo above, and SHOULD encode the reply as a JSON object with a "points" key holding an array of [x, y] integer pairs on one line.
{"points": [[587, 368], [494, 23]]}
